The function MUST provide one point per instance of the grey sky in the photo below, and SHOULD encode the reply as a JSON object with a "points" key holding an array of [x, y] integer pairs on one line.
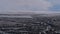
{"points": [[17, 6]]}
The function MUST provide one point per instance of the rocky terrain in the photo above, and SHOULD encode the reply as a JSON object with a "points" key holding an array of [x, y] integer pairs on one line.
{"points": [[29, 24]]}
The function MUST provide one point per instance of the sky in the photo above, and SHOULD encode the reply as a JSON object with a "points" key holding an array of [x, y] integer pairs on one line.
{"points": [[37, 6]]}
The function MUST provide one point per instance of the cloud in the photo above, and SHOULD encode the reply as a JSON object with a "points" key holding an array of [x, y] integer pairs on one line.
{"points": [[27, 12], [35, 5], [56, 5], [54, 2], [30, 6]]}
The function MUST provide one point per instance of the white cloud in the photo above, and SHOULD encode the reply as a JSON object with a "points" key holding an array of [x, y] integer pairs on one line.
{"points": [[34, 4], [54, 2], [24, 5]]}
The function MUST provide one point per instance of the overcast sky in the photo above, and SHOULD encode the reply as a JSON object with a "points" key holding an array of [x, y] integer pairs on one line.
{"points": [[38, 6]]}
